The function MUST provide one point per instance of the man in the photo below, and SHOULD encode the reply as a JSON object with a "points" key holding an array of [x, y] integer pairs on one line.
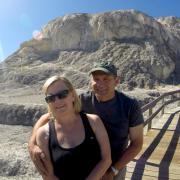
{"points": [[120, 114]]}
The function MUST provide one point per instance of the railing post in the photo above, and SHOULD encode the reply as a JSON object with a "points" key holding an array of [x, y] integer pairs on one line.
{"points": [[148, 108], [162, 112], [150, 123]]}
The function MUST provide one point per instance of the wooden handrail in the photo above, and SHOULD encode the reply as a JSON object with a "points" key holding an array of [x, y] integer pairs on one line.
{"points": [[152, 104]]}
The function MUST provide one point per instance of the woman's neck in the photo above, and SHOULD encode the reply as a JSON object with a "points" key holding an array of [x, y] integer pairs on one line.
{"points": [[67, 118]]}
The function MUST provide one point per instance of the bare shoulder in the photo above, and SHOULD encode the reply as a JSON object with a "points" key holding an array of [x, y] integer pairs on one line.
{"points": [[43, 131], [95, 121], [93, 118], [42, 137]]}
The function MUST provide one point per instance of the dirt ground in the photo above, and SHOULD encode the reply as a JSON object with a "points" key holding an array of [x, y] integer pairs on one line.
{"points": [[15, 162]]}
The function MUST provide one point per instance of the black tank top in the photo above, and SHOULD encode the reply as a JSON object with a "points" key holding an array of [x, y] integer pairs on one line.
{"points": [[77, 162]]}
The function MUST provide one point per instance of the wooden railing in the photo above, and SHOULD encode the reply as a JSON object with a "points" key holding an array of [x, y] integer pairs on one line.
{"points": [[174, 96]]}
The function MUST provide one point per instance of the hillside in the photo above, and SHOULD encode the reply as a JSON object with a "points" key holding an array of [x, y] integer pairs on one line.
{"points": [[146, 50]]}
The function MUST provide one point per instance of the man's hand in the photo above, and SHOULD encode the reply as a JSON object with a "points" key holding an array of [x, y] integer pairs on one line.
{"points": [[39, 159], [108, 175]]}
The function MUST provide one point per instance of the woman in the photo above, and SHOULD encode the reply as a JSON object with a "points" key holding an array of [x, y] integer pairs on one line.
{"points": [[76, 144]]}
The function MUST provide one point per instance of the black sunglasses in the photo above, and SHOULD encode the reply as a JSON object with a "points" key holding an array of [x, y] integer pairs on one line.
{"points": [[60, 95]]}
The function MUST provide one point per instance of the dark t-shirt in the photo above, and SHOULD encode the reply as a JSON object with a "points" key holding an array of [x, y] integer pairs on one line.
{"points": [[117, 114], [77, 162]]}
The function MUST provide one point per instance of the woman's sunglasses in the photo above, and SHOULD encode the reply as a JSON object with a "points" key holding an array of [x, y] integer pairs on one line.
{"points": [[60, 95]]}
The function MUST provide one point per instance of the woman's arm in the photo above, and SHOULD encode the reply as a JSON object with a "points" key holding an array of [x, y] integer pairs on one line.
{"points": [[42, 139], [103, 140], [37, 155], [40, 122]]}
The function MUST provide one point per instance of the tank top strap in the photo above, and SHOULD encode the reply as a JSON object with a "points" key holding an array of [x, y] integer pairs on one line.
{"points": [[88, 129], [52, 133]]}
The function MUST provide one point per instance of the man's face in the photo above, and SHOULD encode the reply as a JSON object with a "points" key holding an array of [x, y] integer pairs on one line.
{"points": [[103, 85]]}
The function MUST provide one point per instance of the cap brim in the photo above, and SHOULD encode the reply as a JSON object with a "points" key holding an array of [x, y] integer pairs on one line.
{"points": [[100, 69]]}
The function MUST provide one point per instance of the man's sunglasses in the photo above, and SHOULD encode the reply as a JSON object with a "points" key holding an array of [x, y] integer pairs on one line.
{"points": [[60, 95]]}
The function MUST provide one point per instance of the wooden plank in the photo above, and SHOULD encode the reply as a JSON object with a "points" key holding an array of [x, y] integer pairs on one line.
{"points": [[154, 172], [154, 167], [160, 156]]}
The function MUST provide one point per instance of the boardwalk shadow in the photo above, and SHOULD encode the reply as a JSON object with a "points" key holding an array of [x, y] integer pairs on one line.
{"points": [[166, 160]]}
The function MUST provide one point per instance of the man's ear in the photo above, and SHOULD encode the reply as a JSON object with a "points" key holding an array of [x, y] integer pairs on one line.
{"points": [[117, 80], [90, 83]]}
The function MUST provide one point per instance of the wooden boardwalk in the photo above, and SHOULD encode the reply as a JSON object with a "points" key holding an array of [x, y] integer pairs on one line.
{"points": [[160, 157]]}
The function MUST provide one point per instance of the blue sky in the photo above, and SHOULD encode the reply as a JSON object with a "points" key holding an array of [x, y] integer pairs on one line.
{"points": [[20, 18]]}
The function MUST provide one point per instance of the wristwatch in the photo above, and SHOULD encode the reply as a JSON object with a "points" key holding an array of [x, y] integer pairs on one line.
{"points": [[114, 170]]}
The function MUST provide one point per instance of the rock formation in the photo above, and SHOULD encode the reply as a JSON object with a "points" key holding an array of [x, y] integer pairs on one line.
{"points": [[71, 44]]}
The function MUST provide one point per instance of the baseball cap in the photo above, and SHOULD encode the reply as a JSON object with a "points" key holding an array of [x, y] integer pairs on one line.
{"points": [[105, 66]]}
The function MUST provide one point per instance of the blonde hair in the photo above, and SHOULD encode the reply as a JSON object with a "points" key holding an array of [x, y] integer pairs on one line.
{"points": [[53, 79]]}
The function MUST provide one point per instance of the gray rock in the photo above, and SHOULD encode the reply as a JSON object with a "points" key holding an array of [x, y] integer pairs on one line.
{"points": [[13, 114]]}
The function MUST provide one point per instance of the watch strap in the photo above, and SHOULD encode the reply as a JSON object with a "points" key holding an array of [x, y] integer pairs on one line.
{"points": [[114, 170]]}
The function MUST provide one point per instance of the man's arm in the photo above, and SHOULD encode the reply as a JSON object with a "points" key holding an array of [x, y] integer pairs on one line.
{"points": [[135, 146], [35, 152]]}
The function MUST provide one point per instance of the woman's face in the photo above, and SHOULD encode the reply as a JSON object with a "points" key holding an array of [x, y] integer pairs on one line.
{"points": [[59, 98]]}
